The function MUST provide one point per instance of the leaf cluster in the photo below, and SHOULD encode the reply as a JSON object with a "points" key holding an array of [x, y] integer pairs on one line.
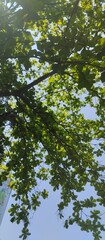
{"points": [[52, 67]]}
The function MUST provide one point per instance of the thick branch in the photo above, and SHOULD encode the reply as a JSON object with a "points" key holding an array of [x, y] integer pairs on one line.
{"points": [[5, 93], [8, 116], [35, 82], [25, 88]]}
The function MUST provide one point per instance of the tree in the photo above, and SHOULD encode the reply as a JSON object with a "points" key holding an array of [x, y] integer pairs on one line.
{"points": [[52, 65]]}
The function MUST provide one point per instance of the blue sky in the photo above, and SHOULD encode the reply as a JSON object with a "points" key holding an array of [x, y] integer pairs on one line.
{"points": [[45, 224]]}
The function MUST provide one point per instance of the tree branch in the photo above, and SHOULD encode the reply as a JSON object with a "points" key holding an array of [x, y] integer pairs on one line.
{"points": [[8, 116], [18, 92], [35, 82]]}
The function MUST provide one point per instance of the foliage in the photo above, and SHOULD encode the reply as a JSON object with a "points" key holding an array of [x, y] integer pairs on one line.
{"points": [[52, 66]]}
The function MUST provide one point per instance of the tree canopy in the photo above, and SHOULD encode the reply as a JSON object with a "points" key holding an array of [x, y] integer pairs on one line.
{"points": [[52, 67]]}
